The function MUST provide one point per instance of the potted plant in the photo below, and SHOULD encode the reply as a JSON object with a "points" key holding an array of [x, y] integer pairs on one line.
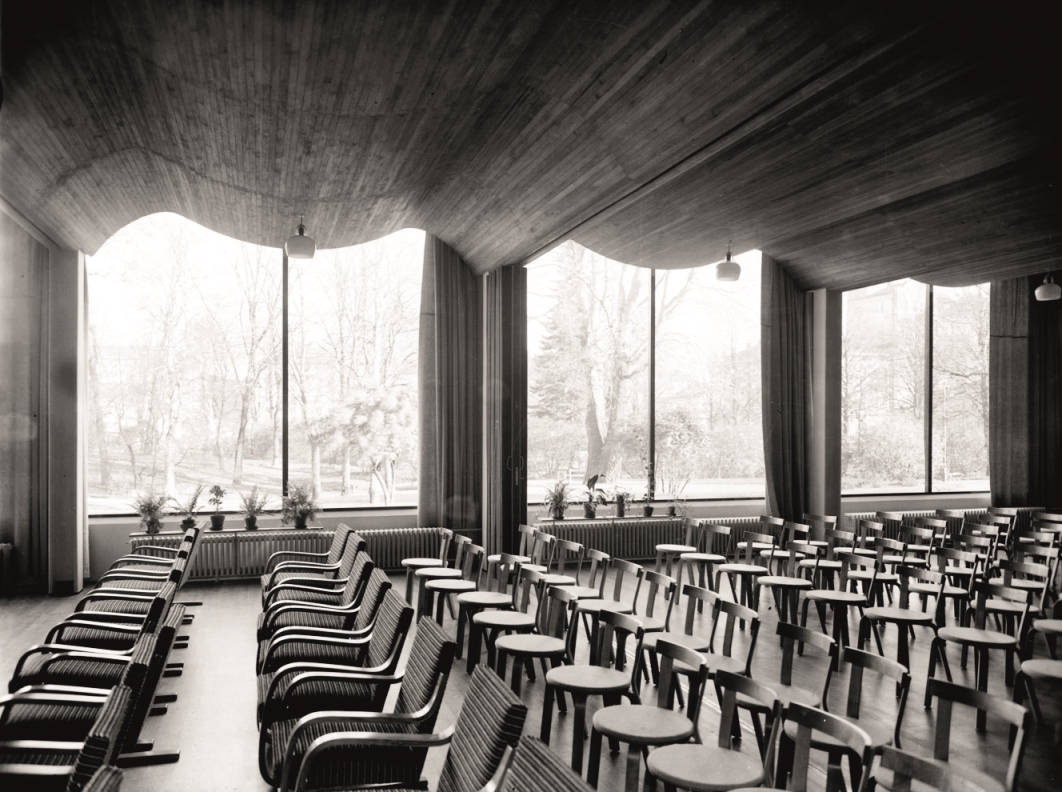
{"points": [[190, 507], [217, 519], [299, 505], [622, 496], [647, 505], [254, 503], [557, 498], [595, 496], [151, 507], [676, 507]]}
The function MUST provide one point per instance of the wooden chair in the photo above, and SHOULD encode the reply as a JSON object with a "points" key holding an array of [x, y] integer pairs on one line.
{"points": [[439, 591], [489, 623], [953, 520], [694, 595], [819, 525], [526, 534], [411, 565], [719, 767], [549, 643], [823, 568], [599, 678], [481, 746], [742, 573], [866, 531], [786, 587], [981, 639], [496, 590], [706, 557], [641, 725], [957, 587], [567, 557], [840, 599], [780, 553], [892, 522], [667, 554], [443, 572]]}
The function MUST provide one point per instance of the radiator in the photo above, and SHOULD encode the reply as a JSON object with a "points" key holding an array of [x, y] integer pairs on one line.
{"points": [[634, 538], [388, 546], [225, 555], [1022, 521]]}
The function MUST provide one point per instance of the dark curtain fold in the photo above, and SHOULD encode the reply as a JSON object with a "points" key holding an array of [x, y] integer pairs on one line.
{"points": [[785, 377], [504, 406], [23, 264], [450, 391]]}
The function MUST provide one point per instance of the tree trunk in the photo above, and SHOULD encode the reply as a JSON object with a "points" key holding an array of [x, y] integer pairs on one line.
{"points": [[344, 485], [241, 438], [315, 463], [97, 414]]}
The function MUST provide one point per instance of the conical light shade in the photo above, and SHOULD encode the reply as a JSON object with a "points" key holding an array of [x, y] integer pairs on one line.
{"points": [[1048, 290], [728, 270], [300, 246]]}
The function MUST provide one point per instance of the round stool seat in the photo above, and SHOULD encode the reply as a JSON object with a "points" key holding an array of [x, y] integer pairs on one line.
{"points": [[718, 662], [741, 569], [593, 606], [975, 637], [643, 724], [438, 573], [1005, 607], [783, 581], [675, 548], [880, 735], [705, 768], [650, 624], [484, 599], [1043, 669], [554, 579], [420, 563], [504, 620], [450, 585], [1048, 626], [787, 695], [895, 560], [809, 563], [703, 558], [588, 679], [694, 642], [530, 645], [495, 558], [836, 597], [584, 592], [899, 615]]}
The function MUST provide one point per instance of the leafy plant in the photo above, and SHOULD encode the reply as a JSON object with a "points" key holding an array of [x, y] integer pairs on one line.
{"points": [[217, 495], [677, 507], [151, 507], [595, 495], [254, 502], [621, 494], [299, 504], [190, 506], [557, 498]]}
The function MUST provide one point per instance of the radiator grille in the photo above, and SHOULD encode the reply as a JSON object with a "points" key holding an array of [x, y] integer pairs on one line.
{"points": [[1022, 521], [239, 554], [388, 546], [636, 539]]}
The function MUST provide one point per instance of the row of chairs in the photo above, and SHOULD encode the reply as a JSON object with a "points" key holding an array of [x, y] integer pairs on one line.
{"points": [[331, 636], [79, 700]]}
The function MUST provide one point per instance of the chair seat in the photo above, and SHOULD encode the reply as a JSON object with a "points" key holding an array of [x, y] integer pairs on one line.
{"points": [[495, 558], [976, 637], [880, 734], [705, 768], [899, 615], [450, 586], [718, 662], [593, 606], [584, 592], [787, 694], [1005, 607], [485, 599], [643, 724], [836, 597], [809, 563], [420, 563], [783, 581], [505, 620], [742, 569], [588, 678], [696, 642], [931, 588], [530, 645], [707, 558], [894, 560], [650, 624], [1043, 669], [554, 579], [675, 548], [1048, 626], [437, 573]]}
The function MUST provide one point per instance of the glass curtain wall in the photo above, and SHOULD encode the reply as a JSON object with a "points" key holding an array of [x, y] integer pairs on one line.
{"points": [[589, 352], [185, 375]]}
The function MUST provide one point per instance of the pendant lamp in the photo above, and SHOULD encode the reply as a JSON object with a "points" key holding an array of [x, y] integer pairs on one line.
{"points": [[728, 270], [300, 246], [1048, 290]]}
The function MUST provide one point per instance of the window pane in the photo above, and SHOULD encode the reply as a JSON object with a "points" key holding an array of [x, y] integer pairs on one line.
{"points": [[960, 388], [354, 334], [882, 396], [588, 369], [709, 436], [184, 364]]}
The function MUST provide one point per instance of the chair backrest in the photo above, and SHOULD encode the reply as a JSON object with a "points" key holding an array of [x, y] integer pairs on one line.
{"points": [[808, 720], [472, 563], [734, 614], [1031, 573], [867, 531], [893, 522], [696, 671], [568, 559], [621, 567], [837, 539], [535, 766], [938, 524], [983, 590], [527, 539], [729, 686], [710, 538], [946, 694], [861, 662], [357, 580], [427, 670], [339, 542], [105, 738], [491, 721], [850, 559], [754, 544], [659, 585], [691, 529], [446, 536], [819, 524], [794, 532], [459, 543], [696, 595], [791, 636], [377, 586], [352, 551], [393, 620], [912, 535], [557, 619], [543, 548], [597, 575], [614, 631], [906, 574], [799, 550]]}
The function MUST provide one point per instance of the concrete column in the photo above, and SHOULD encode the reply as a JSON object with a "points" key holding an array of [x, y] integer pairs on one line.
{"points": [[824, 406], [65, 509]]}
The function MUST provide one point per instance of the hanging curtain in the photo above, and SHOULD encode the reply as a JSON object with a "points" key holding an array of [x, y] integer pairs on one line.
{"points": [[504, 407], [1025, 396], [785, 376], [23, 263], [450, 391]]}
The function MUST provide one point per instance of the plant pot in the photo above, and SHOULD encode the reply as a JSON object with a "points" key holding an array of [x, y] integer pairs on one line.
{"points": [[589, 511], [217, 522], [672, 511], [188, 522], [152, 526], [250, 522], [647, 511], [558, 514], [621, 508], [300, 523]]}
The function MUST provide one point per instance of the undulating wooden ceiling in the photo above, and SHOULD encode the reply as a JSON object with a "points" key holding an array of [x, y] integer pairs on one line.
{"points": [[855, 142]]}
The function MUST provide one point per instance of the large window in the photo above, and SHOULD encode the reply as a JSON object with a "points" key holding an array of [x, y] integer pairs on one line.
{"points": [[896, 385], [590, 352], [185, 376]]}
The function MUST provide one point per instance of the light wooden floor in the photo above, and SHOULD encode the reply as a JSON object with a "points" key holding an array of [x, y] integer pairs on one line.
{"points": [[213, 722]]}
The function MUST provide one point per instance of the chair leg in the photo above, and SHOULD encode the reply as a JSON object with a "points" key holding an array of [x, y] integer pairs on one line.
{"points": [[547, 714], [593, 767]]}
